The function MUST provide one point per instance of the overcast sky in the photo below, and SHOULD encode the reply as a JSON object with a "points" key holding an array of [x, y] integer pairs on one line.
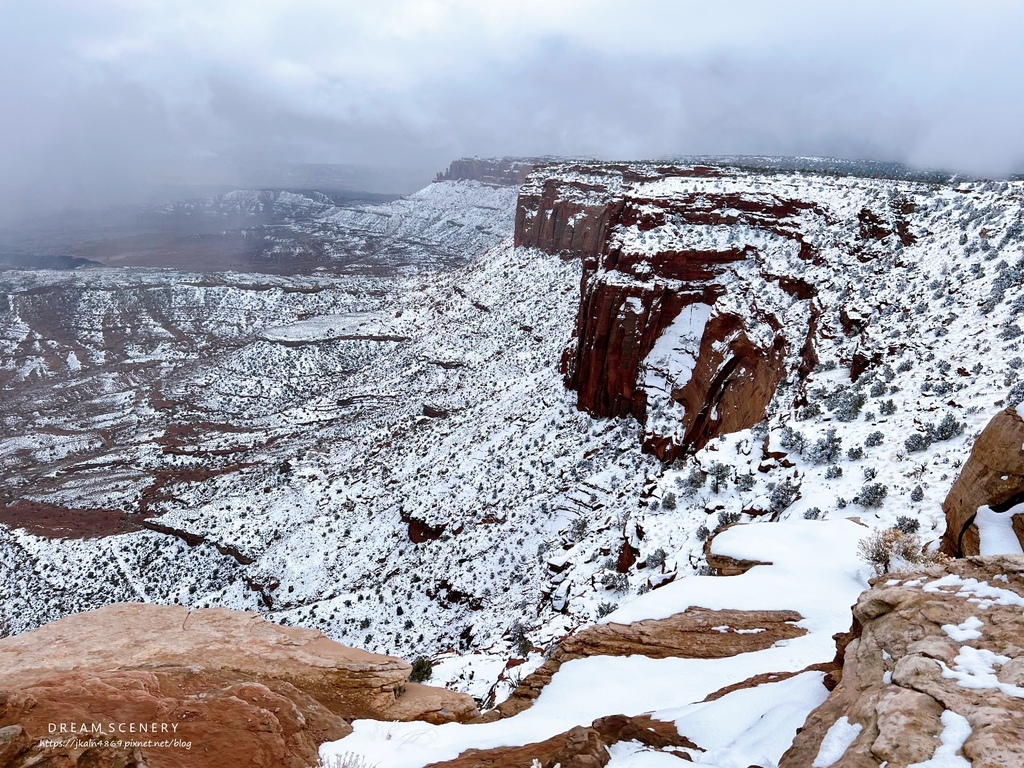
{"points": [[113, 94]]}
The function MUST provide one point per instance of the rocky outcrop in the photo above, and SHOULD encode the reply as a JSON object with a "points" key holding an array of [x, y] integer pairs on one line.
{"points": [[220, 687], [697, 633], [503, 171], [934, 668], [666, 331], [580, 747], [993, 476]]}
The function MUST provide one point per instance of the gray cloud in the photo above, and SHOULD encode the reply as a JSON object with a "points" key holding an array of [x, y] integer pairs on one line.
{"points": [[106, 98]]}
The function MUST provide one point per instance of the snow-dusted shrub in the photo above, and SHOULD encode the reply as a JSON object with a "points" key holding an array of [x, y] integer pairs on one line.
{"points": [[917, 442], [846, 404], [905, 366], [1010, 331], [745, 481], [875, 438], [694, 480], [702, 533], [668, 501], [578, 528], [783, 495], [917, 494], [888, 408], [833, 472], [855, 453], [727, 518], [891, 550], [907, 524], [792, 440], [657, 558], [518, 638], [617, 582], [345, 760], [872, 495], [826, 449], [941, 388], [947, 429], [422, 669], [869, 473], [809, 411], [813, 514], [604, 608], [840, 503], [1016, 394], [1013, 362], [719, 474], [878, 389]]}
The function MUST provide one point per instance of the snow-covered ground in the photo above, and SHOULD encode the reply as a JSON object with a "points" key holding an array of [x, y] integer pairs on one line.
{"points": [[396, 461]]}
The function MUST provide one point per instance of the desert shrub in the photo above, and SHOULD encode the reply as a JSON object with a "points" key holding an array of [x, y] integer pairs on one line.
{"points": [[871, 495], [840, 503], [345, 760], [422, 669], [745, 482], [809, 411], [1016, 394], [888, 408], [782, 495], [826, 449], [1010, 331], [792, 440], [917, 494], [905, 366], [888, 550], [948, 428], [519, 640], [875, 438], [870, 473], [702, 533], [727, 518], [878, 389], [668, 501], [657, 558], [695, 480], [617, 582], [604, 608], [578, 528], [855, 452], [719, 474], [917, 442], [907, 524], [813, 514], [833, 472], [846, 404]]}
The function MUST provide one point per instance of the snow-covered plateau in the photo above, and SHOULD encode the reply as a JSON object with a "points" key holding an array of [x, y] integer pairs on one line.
{"points": [[574, 409]]}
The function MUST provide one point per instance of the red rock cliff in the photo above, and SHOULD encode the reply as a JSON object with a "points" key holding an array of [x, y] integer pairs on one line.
{"points": [[660, 334]]}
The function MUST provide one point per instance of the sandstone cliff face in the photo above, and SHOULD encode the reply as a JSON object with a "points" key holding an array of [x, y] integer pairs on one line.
{"points": [[993, 476], [698, 293], [237, 689], [503, 171], [933, 670]]}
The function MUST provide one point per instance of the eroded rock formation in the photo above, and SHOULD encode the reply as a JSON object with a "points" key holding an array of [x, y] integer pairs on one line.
{"points": [[697, 633], [237, 689], [693, 302], [993, 476], [934, 668]]}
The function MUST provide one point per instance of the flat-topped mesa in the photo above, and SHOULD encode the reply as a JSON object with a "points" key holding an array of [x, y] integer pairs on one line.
{"points": [[696, 297], [504, 171]]}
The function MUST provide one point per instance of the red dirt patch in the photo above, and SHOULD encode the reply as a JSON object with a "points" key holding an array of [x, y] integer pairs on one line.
{"points": [[55, 522]]}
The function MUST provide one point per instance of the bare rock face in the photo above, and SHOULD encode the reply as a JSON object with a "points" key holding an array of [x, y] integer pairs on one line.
{"points": [[992, 476], [697, 633], [237, 689], [933, 669], [580, 747]]}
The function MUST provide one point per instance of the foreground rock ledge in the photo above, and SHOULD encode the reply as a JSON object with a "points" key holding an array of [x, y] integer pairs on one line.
{"points": [[934, 657], [697, 633], [240, 690]]}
